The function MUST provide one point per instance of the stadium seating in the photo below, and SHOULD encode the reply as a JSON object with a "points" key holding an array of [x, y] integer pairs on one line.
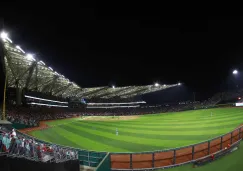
{"points": [[25, 117], [22, 146], [87, 158], [29, 116]]}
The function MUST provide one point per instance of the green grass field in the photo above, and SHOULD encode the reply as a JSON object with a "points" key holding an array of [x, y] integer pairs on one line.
{"points": [[145, 133]]}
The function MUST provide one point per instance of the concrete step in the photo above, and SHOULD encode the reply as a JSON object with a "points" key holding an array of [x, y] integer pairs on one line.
{"points": [[86, 168]]}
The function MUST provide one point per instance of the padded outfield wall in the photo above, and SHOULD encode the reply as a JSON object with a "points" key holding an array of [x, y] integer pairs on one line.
{"points": [[173, 157]]}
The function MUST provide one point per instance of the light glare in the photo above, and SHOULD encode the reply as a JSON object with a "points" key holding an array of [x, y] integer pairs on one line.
{"points": [[30, 57], [18, 47], [42, 62], [235, 72], [4, 35]]}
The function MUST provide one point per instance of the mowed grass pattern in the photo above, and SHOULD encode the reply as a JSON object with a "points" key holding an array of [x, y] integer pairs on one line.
{"points": [[146, 133]]}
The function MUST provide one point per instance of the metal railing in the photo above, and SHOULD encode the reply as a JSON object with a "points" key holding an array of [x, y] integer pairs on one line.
{"points": [[29, 148], [86, 157]]}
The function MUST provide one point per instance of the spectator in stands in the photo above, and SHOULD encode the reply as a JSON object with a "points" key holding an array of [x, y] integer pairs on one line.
{"points": [[13, 132], [1, 144]]}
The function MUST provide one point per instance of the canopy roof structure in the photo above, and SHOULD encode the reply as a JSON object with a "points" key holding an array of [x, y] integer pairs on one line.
{"points": [[27, 71]]}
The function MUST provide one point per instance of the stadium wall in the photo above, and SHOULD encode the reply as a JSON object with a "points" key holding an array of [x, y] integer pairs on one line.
{"points": [[105, 164], [175, 157]]}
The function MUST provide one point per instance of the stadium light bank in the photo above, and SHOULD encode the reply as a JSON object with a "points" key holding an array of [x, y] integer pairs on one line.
{"points": [[37, 98], [4, 36], [43, 104], [139, 102], [30, 57], [18, 47], [107, 107]]}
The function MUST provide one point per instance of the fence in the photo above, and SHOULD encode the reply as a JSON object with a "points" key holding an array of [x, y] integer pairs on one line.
{"points": [[23, 147], [171, 157], [105, 164]]}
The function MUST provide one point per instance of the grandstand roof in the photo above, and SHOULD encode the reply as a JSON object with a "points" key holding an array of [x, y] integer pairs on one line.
{"points": [[26, 71]]}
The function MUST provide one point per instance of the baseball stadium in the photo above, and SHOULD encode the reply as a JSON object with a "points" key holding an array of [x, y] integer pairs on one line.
{"points": [[48, 119]]}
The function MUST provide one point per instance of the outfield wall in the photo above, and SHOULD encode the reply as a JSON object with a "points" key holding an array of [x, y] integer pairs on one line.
{"points": [[173, 157]]}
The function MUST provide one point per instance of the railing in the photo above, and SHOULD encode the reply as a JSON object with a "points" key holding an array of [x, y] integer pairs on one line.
{"points": [[22, 147], [87, 158], [173, 157], [105, 164]]}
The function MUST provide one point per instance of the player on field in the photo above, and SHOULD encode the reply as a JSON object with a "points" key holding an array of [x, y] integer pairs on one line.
{"points": [[117, 131]]}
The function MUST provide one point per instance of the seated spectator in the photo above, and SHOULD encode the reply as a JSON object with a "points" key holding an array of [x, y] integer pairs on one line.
{"points": [[27, 147]]}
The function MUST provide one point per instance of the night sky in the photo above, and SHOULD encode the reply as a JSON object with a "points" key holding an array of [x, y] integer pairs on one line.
{"points": [[99, 45]]}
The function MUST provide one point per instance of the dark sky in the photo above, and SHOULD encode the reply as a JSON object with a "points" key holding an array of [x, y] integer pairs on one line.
{"points": [[102, 44]]}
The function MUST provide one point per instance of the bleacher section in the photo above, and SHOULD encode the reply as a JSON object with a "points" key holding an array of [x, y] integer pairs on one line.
{"points": [[86, 158], [112, 105]]}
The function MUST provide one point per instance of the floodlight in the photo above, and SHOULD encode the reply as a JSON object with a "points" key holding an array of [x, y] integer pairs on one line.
{"points": [[113, 86], [235, 72], [4, 35], [42, 62], [30, 57], [179, 83], [164, 85], [156, 84], [19, 48]]}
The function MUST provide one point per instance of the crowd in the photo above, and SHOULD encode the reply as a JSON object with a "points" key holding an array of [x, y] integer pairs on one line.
{"points": [[31, 116], [19, 145], [227, 97], [146, 109]]}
